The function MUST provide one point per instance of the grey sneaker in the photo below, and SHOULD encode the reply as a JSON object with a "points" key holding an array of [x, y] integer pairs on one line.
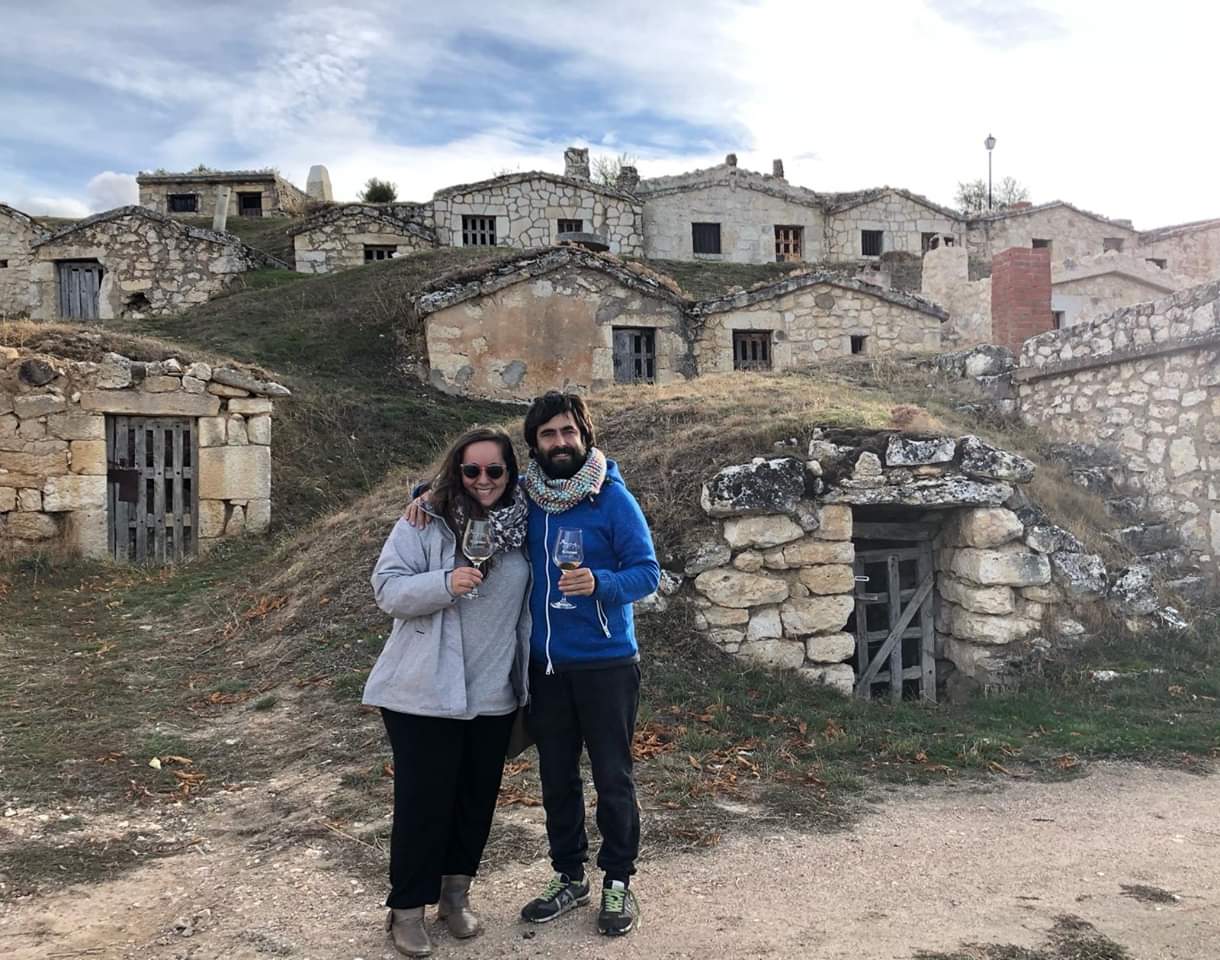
{"points": [[557, 898], [620, 912]]}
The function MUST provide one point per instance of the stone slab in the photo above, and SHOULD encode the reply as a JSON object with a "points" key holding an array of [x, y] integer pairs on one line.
{"points": [[65, 494], [74, 425], [802, 617], [1001, 568], [137, 404], [235, 473], [764, 531], [88, 457], [838, 676], [830, 648], [727, 587], [830, 578], [773, 653]]}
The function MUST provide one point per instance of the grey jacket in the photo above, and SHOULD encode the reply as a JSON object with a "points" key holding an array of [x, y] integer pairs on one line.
{"points": [[421, 669]]}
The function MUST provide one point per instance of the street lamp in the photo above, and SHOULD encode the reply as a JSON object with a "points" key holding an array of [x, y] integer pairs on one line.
{"points": [[989, 143]]}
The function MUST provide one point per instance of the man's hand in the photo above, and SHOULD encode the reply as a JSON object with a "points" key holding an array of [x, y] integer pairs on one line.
{"points": [[577, 583], [415, 513], [464, 579]]}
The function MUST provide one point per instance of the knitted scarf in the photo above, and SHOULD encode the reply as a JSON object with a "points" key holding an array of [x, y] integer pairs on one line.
{"points": [[508, 524], [556, 496]]}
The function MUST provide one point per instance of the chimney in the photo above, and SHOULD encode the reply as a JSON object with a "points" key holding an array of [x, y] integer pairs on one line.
{"points": [[1020, 296], [1020, 205], [777, 169], [628, 179], [221, 214], [317, 185], [576, 163], [730, 159]]}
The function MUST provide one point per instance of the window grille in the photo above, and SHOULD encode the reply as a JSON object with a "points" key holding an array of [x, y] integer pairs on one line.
{"points": [[870, 243], [788, 244], [751, 349], [478, 231], [705, 237]]}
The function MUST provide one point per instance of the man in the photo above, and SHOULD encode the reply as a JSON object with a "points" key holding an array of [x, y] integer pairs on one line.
{"points": [[584, 669], [584, 662]]}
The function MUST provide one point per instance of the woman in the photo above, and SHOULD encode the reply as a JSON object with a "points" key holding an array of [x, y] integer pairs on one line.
{"points": [[449, 681]]}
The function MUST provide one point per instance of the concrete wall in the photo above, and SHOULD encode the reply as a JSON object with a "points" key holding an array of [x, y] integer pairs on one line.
{"points": [[816, 322], [550, 331], [747, 221], [902, 221], [280, 198], [17, 235], [1073, 235], [1143, 382], [338, 243], [528, 208], [152, 266], [946, 283], [1193, 253]]}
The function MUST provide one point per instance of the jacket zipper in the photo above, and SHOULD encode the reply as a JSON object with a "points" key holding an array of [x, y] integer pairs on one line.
{"points": [[546, 544]]}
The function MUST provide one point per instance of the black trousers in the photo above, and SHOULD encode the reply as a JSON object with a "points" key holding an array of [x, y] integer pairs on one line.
{"points": [[446, 780], [596, 710]]}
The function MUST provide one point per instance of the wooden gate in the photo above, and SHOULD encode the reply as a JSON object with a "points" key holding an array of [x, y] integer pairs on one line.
{"points": [[152, 497], [894, 620], [79, 283]]}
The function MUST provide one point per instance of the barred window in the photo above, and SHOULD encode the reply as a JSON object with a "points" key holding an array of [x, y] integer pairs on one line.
{"points": [[377, 251], [705, 237], [870, 243], [788, 243], [478, 231]]}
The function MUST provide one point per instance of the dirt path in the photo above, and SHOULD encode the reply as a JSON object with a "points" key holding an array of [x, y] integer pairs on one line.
{"points": [[930, 869]]}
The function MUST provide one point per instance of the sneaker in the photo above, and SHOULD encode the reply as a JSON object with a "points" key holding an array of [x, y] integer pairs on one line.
{"points": [[560, 895], [620, 910]]}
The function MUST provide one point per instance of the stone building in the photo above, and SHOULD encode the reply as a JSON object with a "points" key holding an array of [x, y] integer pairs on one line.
{"points": [[811, 317], [1187, 249], [562, 318], [251, 193], [1090, 289], [872, 223], [353, 234], [532, 209], [150, 462], [18, 234], [1139, 390], [1068, 232], [132, 262]]}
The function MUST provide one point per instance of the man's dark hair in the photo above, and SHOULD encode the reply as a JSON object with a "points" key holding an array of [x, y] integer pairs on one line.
{"points": [[552, 404]]}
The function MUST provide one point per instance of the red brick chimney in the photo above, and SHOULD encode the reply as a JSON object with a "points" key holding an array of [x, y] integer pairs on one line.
{"points": [[1020, 296]]}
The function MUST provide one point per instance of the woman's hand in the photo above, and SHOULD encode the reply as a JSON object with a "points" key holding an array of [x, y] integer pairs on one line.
{"points": [[415, 513], [464, 579]]}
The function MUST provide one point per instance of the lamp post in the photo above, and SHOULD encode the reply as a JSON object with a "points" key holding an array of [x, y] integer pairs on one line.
{"points": [[989, 143]]}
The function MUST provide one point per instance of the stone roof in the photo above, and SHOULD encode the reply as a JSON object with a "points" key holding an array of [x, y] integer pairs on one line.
{"points": [[1008, 213], [381, 212], [838, 202], [169, 223], [510, 178], [14, 214], [208, 176], [726, 174], [466, 285], [1178, 229], [735, 301]]}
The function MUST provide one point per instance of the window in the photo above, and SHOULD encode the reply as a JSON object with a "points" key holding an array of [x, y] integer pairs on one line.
{"points": [[788, 244], [857, 343], [929, 241], [3, 264], [751, 349], [635, 355], [1039, 244], [705, 237], [1157, 262], [183, 203], [377, 251], [1057, 317], [478, 231], [1112, 243], [250, 204], [870, 243], [571, 226]]}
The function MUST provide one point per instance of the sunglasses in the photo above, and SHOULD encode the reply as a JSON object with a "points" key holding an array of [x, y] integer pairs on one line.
{"points": [[471, 471]]}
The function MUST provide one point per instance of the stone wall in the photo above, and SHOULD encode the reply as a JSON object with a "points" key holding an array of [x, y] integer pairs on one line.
{"points": [[152, 265], [946, 282], [1143, 384], [335, 239], [279, 197], [553, 329], [1074, 235], [53, 458], [1191, 250], [813, 317], [902, 220], [528, 207], [18, 234]]}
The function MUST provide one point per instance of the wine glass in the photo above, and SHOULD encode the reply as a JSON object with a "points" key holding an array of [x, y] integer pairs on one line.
{"points": [[569, 554], [478, 547]]}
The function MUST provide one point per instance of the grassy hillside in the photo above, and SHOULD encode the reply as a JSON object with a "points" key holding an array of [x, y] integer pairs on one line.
{"points": [[268, 234]]}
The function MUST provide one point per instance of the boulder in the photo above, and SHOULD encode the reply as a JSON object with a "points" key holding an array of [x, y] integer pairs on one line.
{"points": [[759, 487], [773, 653], [830, 648], [1048, 538], [981, 460], [1132, 593], [732, 588], [838, 676], [37, 373], [763, 531], [904, 452], [707, 556], [1079, 574], [114, 372], [1000, 567], [802, 617], [983, 527]]}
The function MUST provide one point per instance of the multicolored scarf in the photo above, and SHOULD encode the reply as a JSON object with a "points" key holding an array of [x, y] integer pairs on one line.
{"points": [[508, 524], [556, 496]]}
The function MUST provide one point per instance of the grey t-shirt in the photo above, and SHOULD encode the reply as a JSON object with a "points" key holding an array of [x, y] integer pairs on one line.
{"points": [[489, 635]]}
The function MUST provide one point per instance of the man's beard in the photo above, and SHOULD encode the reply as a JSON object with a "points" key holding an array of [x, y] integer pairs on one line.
{"points": [[564, 469]]}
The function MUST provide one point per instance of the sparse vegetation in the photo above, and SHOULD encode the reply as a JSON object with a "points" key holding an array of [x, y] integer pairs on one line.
{"points": [[379, 191]]}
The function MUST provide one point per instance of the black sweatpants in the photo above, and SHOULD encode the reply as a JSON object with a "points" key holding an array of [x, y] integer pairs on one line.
{"points": [[446, 780], [594, 709]]}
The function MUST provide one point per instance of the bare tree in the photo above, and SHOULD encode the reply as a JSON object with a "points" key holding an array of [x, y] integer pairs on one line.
{"points": [[606, 169], [971, 196]]}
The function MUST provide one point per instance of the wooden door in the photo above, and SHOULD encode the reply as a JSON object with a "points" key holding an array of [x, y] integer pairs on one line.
{"points": [[151, 497], [635, 355], [751, 349], [79, 284], [895, 633]]}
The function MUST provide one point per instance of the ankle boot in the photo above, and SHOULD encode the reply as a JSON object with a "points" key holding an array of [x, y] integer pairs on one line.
{"points": [[409, 933], [454, 907]]}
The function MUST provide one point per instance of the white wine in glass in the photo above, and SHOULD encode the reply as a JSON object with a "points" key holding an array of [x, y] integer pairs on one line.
{"points": [[569, 553], [478, 547]]}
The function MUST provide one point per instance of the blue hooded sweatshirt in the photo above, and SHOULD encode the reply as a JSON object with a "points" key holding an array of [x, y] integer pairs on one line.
{"points": [[618, 549]]}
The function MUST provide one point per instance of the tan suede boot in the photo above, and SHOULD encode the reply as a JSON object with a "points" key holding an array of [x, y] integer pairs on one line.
{"points": [[454, 907], [409, 933]]}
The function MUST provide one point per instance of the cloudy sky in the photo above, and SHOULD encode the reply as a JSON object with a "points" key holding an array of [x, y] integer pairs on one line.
{"points": [[1108, 104]]}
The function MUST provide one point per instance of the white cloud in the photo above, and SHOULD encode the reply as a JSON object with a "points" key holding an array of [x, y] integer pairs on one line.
{"points": [[42, 206], [109, 190]]}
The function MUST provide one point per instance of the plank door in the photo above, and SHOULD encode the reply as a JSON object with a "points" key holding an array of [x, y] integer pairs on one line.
{"points": [[151, 493], [79, 284], [894, 621], [635, 355]]}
